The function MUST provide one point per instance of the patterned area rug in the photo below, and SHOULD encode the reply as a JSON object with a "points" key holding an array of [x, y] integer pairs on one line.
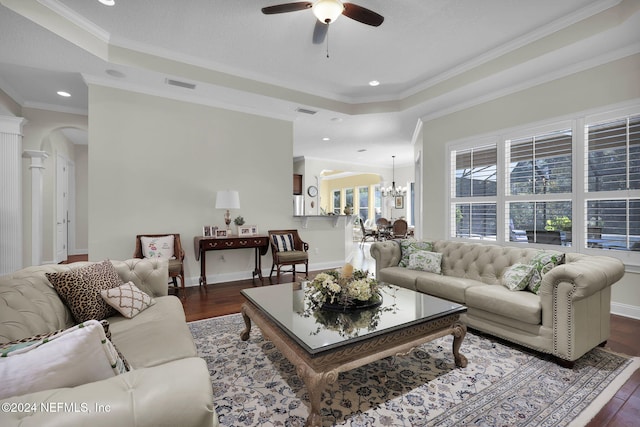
{"points": [[254, 385]]}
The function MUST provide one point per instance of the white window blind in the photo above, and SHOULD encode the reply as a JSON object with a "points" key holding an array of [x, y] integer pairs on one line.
{"points": [[612, 202]]}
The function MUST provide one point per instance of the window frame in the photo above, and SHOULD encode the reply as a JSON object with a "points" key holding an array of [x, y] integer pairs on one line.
{"points": [[579, 197]]}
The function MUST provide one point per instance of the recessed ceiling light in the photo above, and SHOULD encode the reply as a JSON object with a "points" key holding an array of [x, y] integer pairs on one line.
{"points": [[374, 83], [326, 138], [63, 93], [108, 2], [336, 119]]}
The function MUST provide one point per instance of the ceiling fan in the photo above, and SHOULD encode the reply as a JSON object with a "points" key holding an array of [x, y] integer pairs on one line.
{"points": [[327, 11]]}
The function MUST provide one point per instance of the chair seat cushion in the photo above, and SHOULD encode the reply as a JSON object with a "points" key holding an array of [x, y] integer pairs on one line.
{"points": [[290, 256], [175, 267]]}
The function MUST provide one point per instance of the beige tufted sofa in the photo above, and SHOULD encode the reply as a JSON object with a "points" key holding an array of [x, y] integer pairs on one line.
{"points": [[568, 317], [168, 384]]}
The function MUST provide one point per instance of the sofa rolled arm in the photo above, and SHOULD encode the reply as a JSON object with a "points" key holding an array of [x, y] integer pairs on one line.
{"points": [[139, 398], [386, 254], [588, 274]]}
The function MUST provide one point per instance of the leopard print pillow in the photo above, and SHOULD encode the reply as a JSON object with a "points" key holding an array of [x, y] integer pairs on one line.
{"points": [[80, 290]]}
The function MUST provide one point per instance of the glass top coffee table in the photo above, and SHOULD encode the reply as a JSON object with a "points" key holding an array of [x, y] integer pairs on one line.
{"points": [[322, 343]]}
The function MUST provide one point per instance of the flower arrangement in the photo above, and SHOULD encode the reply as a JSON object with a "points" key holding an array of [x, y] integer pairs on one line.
{"points": [[348, 288], [238, 221]]}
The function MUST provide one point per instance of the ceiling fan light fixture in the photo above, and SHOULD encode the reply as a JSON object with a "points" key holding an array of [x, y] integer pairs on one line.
{"points": [[327, 11]]}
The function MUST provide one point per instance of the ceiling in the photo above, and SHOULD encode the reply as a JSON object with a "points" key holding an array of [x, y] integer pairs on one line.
{"points": [[430, 57]]}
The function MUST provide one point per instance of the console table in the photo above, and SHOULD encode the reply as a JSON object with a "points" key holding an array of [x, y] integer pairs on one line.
{"points": [[204, 244]]}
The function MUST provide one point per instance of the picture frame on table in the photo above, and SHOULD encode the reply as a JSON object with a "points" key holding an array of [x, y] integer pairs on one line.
{"points": [[244, 231], [206, 231], [221, 233], [399, 202], [254, 230]]}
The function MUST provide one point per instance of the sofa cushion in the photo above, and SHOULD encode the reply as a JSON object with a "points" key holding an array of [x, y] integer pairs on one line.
{"points": [[80, 289], [522, 306], [542, 263], [409, 246], [400, 276], [426, 261], [447, 287], [517, 277], [158, 247], [127, 299], [155, 336], [78, 355]]}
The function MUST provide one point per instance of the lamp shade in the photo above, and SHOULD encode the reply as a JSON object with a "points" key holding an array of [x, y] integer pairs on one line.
{"points": [[227, 199], [327, 11]]}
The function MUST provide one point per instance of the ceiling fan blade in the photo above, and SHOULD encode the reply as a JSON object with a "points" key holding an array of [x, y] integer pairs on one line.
{"points": [[287, 7], [320, 32], [362, 14]]}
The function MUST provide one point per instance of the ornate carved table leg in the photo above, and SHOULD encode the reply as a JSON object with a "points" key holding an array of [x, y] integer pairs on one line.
{"points": [[459, 332], [244, 335], [315, 383]]}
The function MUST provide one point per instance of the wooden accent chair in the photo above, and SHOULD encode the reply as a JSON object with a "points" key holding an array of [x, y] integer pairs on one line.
{"points": [[383, 228], [288, 249], [367, 233], [176, 265], [400, 229]]}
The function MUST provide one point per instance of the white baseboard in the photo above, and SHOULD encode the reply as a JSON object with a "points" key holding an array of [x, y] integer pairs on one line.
{"points": [[625, 310], [245, 275]]}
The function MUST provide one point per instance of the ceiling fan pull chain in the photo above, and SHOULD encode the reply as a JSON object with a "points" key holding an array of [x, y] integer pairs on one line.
{"points": [[327, 41]]}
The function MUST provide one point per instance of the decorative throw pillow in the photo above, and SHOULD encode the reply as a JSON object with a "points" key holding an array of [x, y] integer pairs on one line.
{"points": [[127, 299], [80, 289], [78, 355], [46, 336], [409, 246], [426, 261], [157, 247], [284, 242], [517, 277], [542, 263]]}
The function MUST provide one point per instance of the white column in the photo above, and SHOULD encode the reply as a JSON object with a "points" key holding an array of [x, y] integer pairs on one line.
{"points": [[10, 194], [37, 172]]}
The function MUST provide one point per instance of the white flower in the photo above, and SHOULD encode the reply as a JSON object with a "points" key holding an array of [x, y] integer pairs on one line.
{"points": [[360, 290]]}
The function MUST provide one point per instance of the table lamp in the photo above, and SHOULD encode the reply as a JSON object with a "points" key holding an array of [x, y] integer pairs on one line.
{"points": [[227, 199]]}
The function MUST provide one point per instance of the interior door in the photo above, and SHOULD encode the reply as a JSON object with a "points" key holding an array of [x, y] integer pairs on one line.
{"points": [[62, 208]]}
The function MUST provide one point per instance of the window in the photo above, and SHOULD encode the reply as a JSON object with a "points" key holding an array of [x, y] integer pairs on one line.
{"points": [[539, 187], [474, 190], [336, 202], [553, 185], [363, 203], [612, 214], [377, 203], [348, 197]]}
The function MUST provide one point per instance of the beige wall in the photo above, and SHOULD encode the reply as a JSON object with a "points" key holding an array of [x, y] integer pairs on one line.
{"points": [[599, 87], [155, 165]]}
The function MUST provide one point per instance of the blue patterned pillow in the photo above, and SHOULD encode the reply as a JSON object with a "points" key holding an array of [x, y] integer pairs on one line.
{"points": [[409, 246]]}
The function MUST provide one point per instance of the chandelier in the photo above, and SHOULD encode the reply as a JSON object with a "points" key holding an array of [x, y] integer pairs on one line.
{"points": [[393, 191]]}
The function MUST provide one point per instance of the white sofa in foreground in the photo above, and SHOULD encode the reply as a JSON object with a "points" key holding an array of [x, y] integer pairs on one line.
{"points": [[569, 315], [168, 384]]}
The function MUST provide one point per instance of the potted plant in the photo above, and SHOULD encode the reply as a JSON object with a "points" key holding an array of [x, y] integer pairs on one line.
{"points": [[239, 222]]}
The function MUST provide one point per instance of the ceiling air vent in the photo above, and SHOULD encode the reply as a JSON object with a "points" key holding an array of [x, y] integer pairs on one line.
{"points": [[181, 84], [305, 111]]}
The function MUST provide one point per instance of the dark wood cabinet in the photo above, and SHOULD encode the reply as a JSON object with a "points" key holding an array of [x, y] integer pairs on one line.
{"points": [[297, 184]]}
